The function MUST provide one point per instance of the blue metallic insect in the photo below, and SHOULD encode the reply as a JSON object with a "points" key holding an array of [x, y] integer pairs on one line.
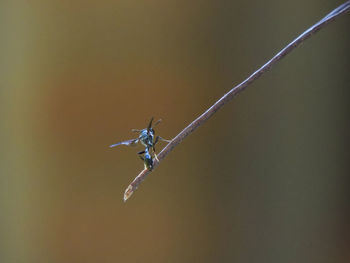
{"points": [[146, 138]]}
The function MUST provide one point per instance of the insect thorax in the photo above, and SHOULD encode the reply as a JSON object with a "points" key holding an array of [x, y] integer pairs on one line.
{"points": [[145, 138]]}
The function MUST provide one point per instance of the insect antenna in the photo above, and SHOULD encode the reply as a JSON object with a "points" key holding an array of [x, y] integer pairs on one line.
{"points": [[157, 122], [149, 126]]}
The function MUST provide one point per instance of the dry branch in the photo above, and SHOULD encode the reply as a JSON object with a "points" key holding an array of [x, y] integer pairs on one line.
{"points": [[342, 9]]}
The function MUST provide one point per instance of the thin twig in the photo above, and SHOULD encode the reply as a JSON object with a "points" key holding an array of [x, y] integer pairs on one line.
{"points": [[237, 89]]}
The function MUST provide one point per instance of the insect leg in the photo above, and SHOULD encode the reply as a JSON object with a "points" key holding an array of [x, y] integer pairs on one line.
{"points": [[164, 140], [154, 144], [156, 157]]}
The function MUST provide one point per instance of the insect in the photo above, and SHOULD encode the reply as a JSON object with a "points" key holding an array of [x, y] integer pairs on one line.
{"points": [[146, 138], [147, 159]]}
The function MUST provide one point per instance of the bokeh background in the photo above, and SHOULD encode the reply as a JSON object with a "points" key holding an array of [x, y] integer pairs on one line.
{"points": [[265, 180]]}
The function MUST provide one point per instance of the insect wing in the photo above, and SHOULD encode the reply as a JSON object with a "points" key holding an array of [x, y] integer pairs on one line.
{"points": [[131, 142]]}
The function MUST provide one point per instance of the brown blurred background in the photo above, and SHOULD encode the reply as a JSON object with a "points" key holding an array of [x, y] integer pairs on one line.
{"points": [[264, 180]]}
